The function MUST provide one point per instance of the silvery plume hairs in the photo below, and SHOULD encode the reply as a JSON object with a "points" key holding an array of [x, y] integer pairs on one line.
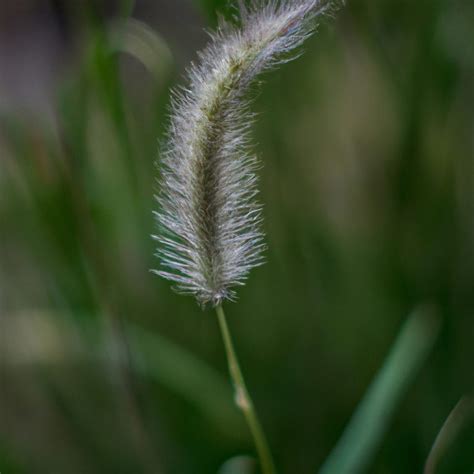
{"points": [[209, 218]]}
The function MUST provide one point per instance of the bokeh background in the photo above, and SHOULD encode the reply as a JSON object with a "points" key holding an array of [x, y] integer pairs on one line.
{"points": [[367, 145]]}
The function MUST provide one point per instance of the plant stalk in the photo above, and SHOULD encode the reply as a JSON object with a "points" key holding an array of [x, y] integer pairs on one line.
{"points": [[243, 399]]}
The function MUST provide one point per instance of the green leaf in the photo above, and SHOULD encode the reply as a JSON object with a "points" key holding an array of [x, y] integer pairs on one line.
{"points": [[238, 465], [364, 433], [457, 419], [175, 368]]}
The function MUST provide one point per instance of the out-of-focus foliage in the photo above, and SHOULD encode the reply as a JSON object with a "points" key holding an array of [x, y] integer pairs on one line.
{"points": [[368, 185]]}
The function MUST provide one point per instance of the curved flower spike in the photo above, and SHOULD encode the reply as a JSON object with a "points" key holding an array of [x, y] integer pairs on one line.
{"points": [[209, 217]]}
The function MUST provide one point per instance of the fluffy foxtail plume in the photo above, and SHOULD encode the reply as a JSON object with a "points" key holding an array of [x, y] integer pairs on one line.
{"points": [[209, 219]]}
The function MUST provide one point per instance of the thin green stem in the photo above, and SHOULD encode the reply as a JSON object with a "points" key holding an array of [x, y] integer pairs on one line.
{"points": [[243, 399]]}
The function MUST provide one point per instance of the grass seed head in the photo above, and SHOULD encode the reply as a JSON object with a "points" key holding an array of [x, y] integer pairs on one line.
{"points": [[209, 218]]}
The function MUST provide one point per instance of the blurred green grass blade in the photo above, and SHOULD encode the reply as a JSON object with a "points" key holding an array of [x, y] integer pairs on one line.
{"points": [[159, 359], [137, 39], [81, 431], [212, 7], [459, 416], [239, 465], [9, 462], [126, 8], [154, 357], [365, 430]]}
